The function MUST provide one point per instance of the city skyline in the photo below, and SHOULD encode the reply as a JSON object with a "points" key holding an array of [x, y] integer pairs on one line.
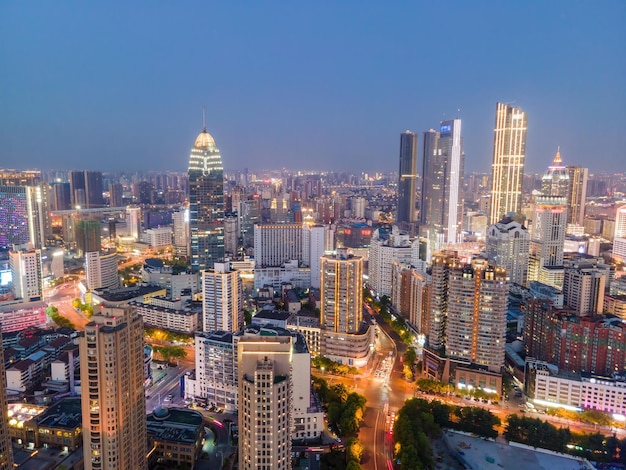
{"points": [[285, 84]]}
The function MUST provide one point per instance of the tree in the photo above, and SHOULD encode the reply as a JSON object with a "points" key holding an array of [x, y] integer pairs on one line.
{"points": [[354, 449], [353, 465]]}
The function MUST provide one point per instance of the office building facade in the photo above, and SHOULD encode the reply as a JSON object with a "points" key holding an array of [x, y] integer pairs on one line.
{"points": [[508, 245], [442, 184], [407, 177], [206, 203], [507, 168]]}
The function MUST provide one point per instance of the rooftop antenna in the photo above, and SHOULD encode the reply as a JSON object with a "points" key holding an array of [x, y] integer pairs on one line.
{"points": [[203, 120]]}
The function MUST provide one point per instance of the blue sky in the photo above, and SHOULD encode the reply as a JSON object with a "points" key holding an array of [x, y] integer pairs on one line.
{"points": [[312, 85]]}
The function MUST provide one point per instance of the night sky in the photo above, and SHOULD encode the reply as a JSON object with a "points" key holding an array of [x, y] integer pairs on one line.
{"points": [[326, 85]]}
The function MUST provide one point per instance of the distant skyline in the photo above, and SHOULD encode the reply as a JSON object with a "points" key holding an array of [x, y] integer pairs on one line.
{"points": [[326, 86]]}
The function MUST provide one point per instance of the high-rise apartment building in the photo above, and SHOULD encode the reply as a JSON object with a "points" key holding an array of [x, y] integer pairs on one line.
{"points": [[476, 314], [442, 184], [341, 292], [507, 168], [410, 295], [583, 289], [577, 194], [206, 203], [265, 402], [6, 448], [442, 263], [180, 226], [101, 270], [23, 216], [60, 199], [407, 176], [222, 299], [385, 248], [113, 397], [26, 271], [508, 245], [548, 237]]}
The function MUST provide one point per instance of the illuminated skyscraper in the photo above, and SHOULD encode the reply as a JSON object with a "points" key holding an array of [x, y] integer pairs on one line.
{"points": [[507, 168], [577, 194], [23, 216], [206, 203], [407, 177], [341, 295], [442, 183], [113, 396], [555, 182]]}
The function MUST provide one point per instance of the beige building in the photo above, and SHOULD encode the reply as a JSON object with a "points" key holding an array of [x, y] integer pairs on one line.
{"points": [[265, 402], [113, 397], [222, 299]]}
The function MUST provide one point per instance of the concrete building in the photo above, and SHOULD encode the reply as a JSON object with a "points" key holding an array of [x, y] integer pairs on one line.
{"points": [[101, 270], [410, 295], [577, 194], [222, 299], [113, 396], [385, 248], [476, 315], [265, 402], [24, 216], [548, 236], [165, 313], [508, 246], [583, 289], [159, 238], [407, 177], [26, 272], [180, 226], [133, 221]]}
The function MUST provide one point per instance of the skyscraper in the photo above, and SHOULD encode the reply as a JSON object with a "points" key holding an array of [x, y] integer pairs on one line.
{"points": [[507, 168], [507, 245], [206, 203], [222, 299], [265, 402], [442, 183], [86, 188], [577, 194], [116, 194], [548, 238], [23, 216], [113, 396], [442, 263], [407, 177], [555, 182], [476, 320], [341, 294]]}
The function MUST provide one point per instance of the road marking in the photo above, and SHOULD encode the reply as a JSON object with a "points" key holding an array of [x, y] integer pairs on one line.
{"points": [[375, 439]]}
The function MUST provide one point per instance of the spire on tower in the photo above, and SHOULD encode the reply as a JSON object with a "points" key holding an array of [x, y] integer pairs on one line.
{"points": [[557, 158], [203, 120]]}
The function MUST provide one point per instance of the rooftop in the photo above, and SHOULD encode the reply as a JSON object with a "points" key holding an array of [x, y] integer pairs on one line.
{"points": [[175, 425]]}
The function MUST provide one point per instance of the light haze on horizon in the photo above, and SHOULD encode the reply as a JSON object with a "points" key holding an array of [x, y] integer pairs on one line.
{"points": [[324, 86]]}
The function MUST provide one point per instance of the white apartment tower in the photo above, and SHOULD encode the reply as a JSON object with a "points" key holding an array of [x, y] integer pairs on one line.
{"points": [[548, 237], [113, 396], [26, 270], [341, 292], [265, 402], [180, 225], [222, 299], [101, 270], [507, 246], [385, 248]]}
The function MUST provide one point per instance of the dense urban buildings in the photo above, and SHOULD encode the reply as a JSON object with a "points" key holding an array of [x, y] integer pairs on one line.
{"points": [[113, 397], [206, 203], [507, 168]]}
